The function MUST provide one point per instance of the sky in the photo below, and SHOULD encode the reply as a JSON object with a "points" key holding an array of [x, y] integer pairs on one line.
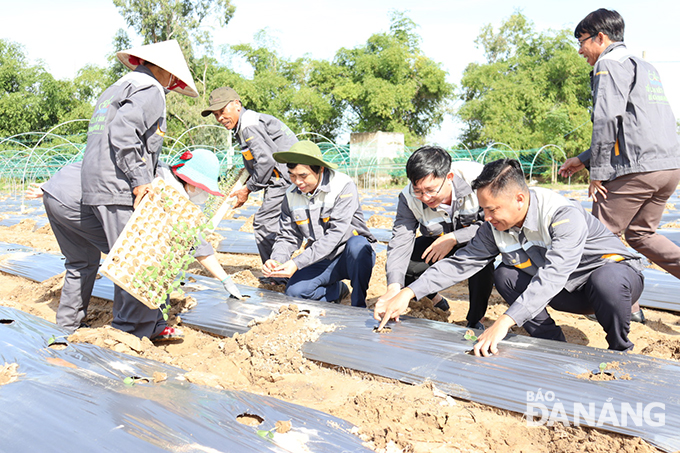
{"points": [[65, 35]]}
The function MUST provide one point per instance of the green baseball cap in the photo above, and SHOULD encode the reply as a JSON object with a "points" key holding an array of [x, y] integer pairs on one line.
{"points": [[303, 152], [219, 98]]}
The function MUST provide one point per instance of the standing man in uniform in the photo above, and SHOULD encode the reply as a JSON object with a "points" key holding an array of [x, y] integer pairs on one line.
{"points": [[321, 206], [440, 202], [259, 136], [553, 253], [634, 156], [124, 141]]}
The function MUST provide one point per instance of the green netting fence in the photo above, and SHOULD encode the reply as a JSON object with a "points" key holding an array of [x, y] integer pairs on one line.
{"points": [[35, 156]]}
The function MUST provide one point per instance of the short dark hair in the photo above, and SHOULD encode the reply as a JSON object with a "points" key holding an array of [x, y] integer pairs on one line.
{"points": [[500, 175], [603, 20], [315, 168], [428, 160]]}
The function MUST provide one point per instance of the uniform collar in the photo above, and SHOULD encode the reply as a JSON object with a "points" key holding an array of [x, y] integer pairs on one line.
{"points": [[531, 220], [611, 47]]}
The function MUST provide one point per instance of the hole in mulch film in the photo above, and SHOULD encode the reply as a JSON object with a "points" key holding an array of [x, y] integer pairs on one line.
{"points": [[249, 419], [6, 321]]}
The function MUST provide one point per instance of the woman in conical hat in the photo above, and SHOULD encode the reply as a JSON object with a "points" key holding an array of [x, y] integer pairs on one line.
{"points": [[166, 61], [124, 141]]}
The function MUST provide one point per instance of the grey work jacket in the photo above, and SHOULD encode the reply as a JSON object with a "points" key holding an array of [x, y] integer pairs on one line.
{"points": [[634, 129], [260, 136], [559, 245], [413, 214], [327, 219], [124, 139]]}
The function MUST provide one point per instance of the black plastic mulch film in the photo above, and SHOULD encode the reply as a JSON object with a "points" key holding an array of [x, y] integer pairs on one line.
{"points": [[79, 396], [417, 350]]}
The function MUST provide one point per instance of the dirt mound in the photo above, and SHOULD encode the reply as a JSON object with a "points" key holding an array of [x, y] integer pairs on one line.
{"points": [[379, 221]]}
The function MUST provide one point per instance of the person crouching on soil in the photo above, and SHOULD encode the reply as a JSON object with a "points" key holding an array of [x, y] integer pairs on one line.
{"points": [[321, 206], [553, 253]]}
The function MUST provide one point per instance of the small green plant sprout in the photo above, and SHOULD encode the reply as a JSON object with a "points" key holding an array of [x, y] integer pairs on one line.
{"points": [[132, 380], [470, 336], [266, 434], [52, 340], [603, 366]]}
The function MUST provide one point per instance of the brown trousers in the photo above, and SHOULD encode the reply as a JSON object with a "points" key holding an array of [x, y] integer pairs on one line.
{"points": [[634, 206]]}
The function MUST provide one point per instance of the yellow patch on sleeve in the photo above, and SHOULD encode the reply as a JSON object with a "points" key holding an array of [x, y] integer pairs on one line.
{"points": [[559, 223], [302, 222], [346, 195], [602, 73], [247, 155], [524, 265], [613, 256], [325, 219], [616, 147], [250, 138], [159, 131]]}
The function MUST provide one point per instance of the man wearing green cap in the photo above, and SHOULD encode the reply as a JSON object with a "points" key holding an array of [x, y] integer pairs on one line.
{"points": [[259, 136], [322, 206]]}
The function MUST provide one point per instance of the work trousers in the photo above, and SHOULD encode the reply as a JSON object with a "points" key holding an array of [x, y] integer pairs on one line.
{"points": [[266, 220], [322, 280], [480, 285], [129, 314], [609, 293], [634, 206], [82, 240]]}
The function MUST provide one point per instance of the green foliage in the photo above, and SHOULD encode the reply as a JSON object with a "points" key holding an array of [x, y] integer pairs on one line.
{"points": [[532, 91], [30, 98], [160, 20], [390, 85]]}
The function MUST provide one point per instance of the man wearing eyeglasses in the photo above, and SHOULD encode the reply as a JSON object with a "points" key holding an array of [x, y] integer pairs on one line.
{"points": [[440, 202], [634, 157]]}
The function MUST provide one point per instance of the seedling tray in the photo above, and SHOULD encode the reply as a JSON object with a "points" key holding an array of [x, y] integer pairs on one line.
{"points": [[154, 245]]}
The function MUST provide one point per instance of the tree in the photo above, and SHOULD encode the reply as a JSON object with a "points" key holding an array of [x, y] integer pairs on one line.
{"points": [[30, 98], [532, 91], [160, 20], [389, 85], [293, 91]]}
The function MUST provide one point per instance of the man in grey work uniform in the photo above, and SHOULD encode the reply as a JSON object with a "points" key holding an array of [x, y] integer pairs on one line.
{"points": [[259, 137], [124, 140], [634, 156], [553, 253], [440, 202]]}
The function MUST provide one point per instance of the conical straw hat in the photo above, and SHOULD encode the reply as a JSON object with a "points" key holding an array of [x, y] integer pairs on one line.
{"points": [[166, 55]]}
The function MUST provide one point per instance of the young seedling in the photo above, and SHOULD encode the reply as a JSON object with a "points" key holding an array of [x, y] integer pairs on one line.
{"points": [[266, 434], [470, 336]]}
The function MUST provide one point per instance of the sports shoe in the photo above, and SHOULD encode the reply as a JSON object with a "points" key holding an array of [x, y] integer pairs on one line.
{"points": [[442, 304], [344, 293], [168, 334]]}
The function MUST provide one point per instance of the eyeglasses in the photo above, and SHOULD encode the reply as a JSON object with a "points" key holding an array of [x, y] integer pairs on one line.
{"points": [[581, 41], [429, 193]]}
